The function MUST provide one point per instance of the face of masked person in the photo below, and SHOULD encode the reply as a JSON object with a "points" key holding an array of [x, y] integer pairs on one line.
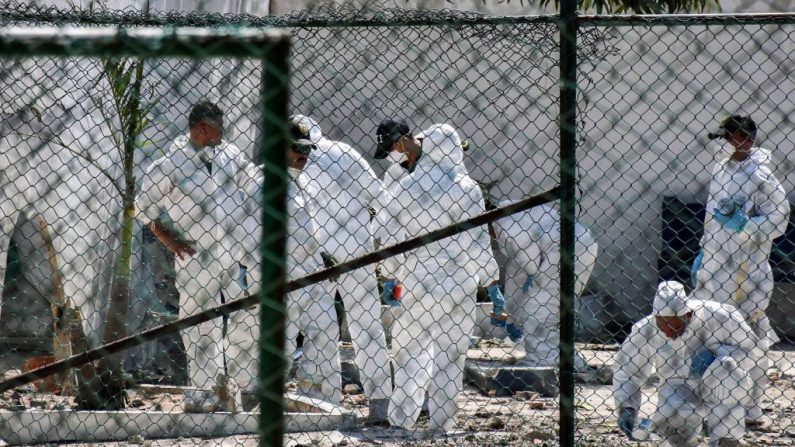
{"points": [[672, 327], [212, 132], [297, 156], [296, 160]]}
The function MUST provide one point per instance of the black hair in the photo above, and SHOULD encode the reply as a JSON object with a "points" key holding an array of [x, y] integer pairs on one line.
{"points": [[204, 110]]}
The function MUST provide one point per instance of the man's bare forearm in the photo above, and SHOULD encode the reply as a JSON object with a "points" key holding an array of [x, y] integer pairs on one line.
{"points": [[173, 244]]}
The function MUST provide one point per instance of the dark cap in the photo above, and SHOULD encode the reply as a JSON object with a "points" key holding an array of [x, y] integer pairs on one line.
{"points": [[299, 135], [388, 132], [733, 123]]}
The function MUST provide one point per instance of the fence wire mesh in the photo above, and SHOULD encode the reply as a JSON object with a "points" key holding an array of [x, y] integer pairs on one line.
{"points": [[87, 111], [653, 178], [420, 340]]}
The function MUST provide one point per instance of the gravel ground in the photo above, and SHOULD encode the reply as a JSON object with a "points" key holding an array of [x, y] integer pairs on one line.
{"points": [[524, 419]]}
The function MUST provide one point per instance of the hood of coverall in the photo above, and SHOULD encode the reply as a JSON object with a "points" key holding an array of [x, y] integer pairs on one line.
{"points": [[442, 144], [670, 300], [315, 133], [761, 156]]}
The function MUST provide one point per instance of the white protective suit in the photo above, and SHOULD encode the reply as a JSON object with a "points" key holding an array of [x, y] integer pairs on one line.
{"points": [[346, 187], [431, 336], [530, 242], [179, 191], [735, 269], [685, 398], [310, 310]]}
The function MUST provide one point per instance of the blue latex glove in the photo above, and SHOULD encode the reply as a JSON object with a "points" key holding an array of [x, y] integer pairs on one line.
{"points": [[527, 284], [700, 361], [695, 268], [735, 222], [626, 420], [242, 278], [514, 332], [388, 293], [498, 301]]}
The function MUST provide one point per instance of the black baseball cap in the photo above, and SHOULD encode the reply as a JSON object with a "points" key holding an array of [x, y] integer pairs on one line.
{"points": [[733, 123], [299, 135], [388, 132]]}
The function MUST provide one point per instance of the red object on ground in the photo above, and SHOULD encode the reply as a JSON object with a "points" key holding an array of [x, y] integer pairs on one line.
{"points": [[48, 384]]}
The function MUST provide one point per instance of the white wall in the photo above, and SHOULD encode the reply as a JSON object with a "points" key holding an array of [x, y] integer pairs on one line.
{"points": [[643, 130]]}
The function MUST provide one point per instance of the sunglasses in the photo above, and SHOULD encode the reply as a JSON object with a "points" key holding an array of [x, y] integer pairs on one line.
{"points": [[302, 148]]}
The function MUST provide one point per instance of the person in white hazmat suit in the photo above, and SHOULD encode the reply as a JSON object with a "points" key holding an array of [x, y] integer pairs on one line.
{"points": [[310, 310], [530, 241], [702, 352], [347, 188], [182, 200], [431, 335], [747, 208]]}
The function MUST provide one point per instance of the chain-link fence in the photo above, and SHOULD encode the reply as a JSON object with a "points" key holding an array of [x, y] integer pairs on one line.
{"points": [[85, 109], [419, 341], [658, 163]]}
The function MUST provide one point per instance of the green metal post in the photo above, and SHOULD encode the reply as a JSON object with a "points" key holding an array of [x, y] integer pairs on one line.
{"points": [[273, 155], [568, 104]]}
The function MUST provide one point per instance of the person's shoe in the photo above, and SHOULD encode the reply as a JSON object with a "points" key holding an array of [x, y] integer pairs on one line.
{"points": [[379, 412], [755, 418], [760, 422]]}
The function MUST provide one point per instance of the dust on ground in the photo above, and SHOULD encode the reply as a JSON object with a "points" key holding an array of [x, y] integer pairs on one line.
{"points": [[524, 419]]}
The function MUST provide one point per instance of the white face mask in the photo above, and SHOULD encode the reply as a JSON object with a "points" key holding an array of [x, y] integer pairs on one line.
{"points": [[397, 157], [722, 151], [293, 173]]}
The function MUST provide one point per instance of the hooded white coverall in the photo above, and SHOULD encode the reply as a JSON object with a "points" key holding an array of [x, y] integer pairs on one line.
{"points": [[735, 269], [309, 310], [346, 187], [191, 200], [685, 399], [431, 336], [530, 242]]}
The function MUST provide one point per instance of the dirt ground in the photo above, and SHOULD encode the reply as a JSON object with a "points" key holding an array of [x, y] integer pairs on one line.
{"points": [[524, 419]]}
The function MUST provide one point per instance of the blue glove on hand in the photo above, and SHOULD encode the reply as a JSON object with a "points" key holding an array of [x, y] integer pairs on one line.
{"points": [[498, 301], [626, 421], [527, 284], [735, 222], [695, 268], [700, 361], [515, 332], [388, 294], [242, 277]]}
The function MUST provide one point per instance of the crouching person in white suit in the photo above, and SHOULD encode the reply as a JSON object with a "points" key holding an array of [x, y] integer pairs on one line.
{"points": [[310, 310], [702, 351]]}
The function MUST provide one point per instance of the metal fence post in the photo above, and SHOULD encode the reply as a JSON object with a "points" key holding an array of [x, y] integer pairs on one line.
{"points": [[275, 98], [568, 105]]}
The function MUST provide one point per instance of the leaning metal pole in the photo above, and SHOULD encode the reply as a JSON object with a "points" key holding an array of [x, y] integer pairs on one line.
{"points": [[568, 104], [252, 300], [273, 155]]}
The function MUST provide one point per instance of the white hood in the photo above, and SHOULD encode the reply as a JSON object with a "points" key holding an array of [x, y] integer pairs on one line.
{"points": [[761, 156], [442, 144], [758, 155]]}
